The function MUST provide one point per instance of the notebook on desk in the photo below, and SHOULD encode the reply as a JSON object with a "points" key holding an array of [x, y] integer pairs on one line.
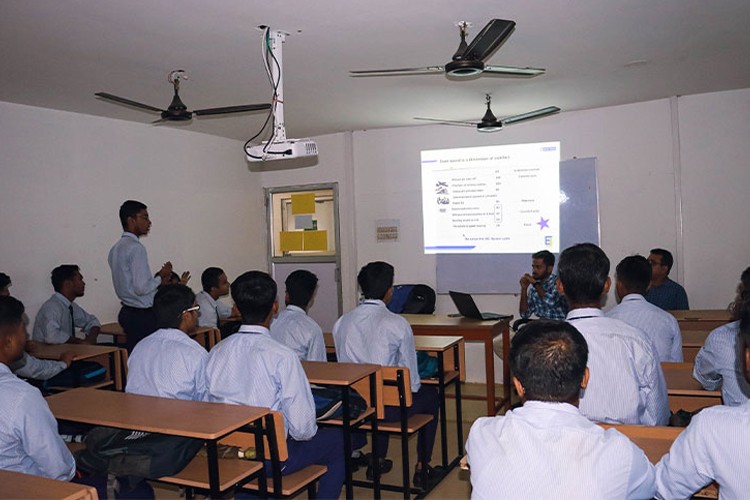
{"points": [[468, 308]]}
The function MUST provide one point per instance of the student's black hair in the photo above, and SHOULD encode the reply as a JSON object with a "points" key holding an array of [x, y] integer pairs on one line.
{"points": [[666, 257], [634, 272], [4, 280], [169, 303], [61, 274], [547, 257], [210, 278], [254, 293], [11, 313], [130, 208], [300, 285], [583, 270], [741, 302], [549, 360], [375, 279]]}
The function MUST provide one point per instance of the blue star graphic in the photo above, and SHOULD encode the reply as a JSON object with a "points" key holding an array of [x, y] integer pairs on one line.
{"points": [[543, 223]]}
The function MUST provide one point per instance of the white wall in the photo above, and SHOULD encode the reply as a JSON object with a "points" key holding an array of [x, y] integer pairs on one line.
{"points": [[64, 176]]}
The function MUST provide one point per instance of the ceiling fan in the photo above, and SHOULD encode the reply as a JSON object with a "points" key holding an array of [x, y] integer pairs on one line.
{"points": [[177, 111], [469, 58], [489, 123]]}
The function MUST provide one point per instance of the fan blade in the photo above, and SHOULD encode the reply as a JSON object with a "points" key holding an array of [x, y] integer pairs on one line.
{"points": [[232, 109], [488, 40], [551, 110], [128, 102], [514, 71], [396, 72], [448, 122]]}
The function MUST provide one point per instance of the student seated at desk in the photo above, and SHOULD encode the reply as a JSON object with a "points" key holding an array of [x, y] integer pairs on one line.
{"points": [[547, 448], [715, 445], [633, 276], [716, 363], [251, 368], [293, 327], [58, 318], [628, 386], [169, 363], [371, 333], [29, 441], [215, 285]]}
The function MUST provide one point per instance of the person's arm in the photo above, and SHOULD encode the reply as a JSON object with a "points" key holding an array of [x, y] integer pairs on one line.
{"points": [[705, 368], [407, 354], [675, 354], [40, 369], [41, 441], [687, 467], [642, 479], [297, 404], [143, 282], [224, 309], [48, 326], [88, 323], [523, 305], [653, 391], [316, 350]]}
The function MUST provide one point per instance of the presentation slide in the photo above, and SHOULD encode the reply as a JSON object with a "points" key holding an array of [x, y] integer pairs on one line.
{"points": [[492, 199]]}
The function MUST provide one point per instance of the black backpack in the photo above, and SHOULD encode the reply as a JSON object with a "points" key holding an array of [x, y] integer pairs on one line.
{"points": [[412, 299]]}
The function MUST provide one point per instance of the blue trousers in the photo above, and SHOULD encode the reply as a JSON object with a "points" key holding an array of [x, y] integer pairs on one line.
{"points": [[423, 401]]}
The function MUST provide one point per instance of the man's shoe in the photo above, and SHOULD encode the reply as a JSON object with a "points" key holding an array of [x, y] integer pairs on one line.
{"points": [[360, 460], [384, 465], [433, 475]]}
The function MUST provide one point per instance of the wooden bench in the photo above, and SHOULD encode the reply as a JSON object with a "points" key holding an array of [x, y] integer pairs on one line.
{"points": [[19, 486]]}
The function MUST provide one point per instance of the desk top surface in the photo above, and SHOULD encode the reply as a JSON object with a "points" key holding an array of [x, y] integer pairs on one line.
{"points": [[679, 377], [82, 351], [435, 342], [702, 315], [655, 441], [116, 329], [321, 372], [150, 414], [20, 486], [445, 321]]}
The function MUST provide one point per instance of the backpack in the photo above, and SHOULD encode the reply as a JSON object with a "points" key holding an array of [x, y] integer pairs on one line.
{"points": [[328, 403], [412, 299], [135, 454]]}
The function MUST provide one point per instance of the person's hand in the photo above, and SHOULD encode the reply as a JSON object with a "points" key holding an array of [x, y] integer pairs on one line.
{"points": [[165, 272], [527, 280], [185, 278], [31, 346], [92, 335], [67, 358]]}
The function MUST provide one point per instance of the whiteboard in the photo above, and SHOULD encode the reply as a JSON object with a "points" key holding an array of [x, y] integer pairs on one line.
{"points": [[499, 273]]}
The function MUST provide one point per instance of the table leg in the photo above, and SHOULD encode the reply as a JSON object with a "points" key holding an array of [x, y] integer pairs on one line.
{"points": [[443, 416], [459, 413], [116, 366], [374, 404], [347, 442], [213, 469], [489, 373]]}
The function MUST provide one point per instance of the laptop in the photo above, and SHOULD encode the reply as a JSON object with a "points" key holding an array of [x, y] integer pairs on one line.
{"points": [[468, 308]]}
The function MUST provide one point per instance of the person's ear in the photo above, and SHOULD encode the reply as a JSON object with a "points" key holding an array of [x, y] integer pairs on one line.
{"points": [[585, 381], [607, 285], [519, 387], [560, 287]]}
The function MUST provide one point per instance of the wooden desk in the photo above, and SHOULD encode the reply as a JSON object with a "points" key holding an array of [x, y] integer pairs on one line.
{"points": [[205, 336], [450, 356], [699, 319], [684, 391], [692, 341], [473, 331], [346, 375], [115, 359], [16, 485], [207, 421]]}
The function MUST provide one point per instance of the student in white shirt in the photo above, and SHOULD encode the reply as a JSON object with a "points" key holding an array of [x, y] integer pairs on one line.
{"points": [[293, 327], [215, 285]]}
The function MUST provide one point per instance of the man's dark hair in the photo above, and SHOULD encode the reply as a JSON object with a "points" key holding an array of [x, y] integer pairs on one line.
{"points": [[130, 208], [634, 272], [583, 270], [741, 302], [4, 280], [63, 273], [549, 359], [254, 294], [169, 303], [375, 279], [300, 285], [666, 257], [11, 312], [210, 278], [546, 256]]}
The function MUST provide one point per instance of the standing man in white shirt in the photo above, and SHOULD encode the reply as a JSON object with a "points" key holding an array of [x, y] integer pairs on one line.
{"points": [[131, 275], [628, 385], [633, 274], [215, 285], [58, 318], [547, 448], [293, 327]]}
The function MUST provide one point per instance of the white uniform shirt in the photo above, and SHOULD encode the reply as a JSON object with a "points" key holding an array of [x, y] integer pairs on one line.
{"points": [[134, 283], [716, 365], [211, 310], [370, 333], [299, 332], [53, 322], [550, 450], [660, 326]]}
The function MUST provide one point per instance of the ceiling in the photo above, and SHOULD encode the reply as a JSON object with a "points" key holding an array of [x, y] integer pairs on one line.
{"points": [[57, 53]]}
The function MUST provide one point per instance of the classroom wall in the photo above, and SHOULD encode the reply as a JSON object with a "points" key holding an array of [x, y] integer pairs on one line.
{"points": [[64, 176]]}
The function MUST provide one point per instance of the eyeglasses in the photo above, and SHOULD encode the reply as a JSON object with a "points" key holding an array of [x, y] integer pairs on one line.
{"points": [[195, 308]]}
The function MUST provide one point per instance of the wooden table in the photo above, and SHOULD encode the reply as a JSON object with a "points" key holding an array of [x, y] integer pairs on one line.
{"points": [[207, 421], [450, 356], [692, 341], [473, 331], [700, 319], [345, 375], [16, 485], [116, 359], [684, 391], [205, 336]]}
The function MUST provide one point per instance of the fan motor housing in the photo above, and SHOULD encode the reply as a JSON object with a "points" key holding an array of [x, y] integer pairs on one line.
{"points": [[464, 68]]}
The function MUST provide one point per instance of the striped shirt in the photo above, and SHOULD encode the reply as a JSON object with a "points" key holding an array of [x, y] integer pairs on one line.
{"points": [[714, 447], [660, 326], [250, 368], [370, 333], [40, 369], [53, 324], [134, 284], [550, 450], [211, 310], [168, 364], [716, 365], [299, 332], [626, 384], [29, 442], [552, 306]]}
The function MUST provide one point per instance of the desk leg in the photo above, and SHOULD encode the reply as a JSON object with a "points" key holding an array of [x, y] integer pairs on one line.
{"points": [[443, 416], [489, 373], [506, 369], [115, 361], [347, 442], [213, 469], [374, 404], [459, 411]]}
